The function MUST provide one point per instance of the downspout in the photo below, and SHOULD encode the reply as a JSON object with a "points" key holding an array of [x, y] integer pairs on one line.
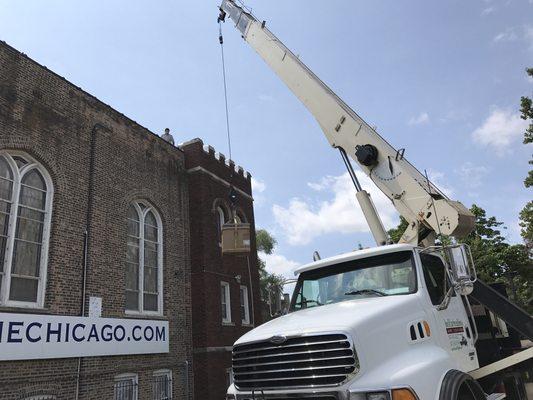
{"points": [[87, 233], [187, 388], [251, 289]]}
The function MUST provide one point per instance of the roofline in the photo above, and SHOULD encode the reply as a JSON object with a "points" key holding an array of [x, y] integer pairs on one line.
{"points": [[113, 110], [354, 255]]}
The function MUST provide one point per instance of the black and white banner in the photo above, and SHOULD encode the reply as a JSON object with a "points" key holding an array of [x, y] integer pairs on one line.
{"points": [[26, 337]]}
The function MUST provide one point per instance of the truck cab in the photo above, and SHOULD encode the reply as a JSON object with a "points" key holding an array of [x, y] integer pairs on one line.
{"points": [[379, 323]]}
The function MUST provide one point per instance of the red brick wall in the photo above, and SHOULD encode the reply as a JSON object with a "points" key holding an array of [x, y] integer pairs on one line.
{"points": [[209, 267], [52, 120]]}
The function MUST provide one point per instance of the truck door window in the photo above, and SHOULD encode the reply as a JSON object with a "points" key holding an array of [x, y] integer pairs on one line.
{"points": [[435, 276]]}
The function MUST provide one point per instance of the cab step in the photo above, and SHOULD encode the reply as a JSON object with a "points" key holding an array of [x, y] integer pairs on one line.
{"points": [[496, 396]]}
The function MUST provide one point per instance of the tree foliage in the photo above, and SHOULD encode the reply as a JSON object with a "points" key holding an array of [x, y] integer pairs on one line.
{"points": [[265, 241], [266, 244], [526, 225], [526, 110], [396, 233], [526, 215]]}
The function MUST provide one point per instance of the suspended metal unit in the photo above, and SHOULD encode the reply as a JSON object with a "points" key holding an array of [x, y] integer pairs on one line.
{"points": [[235, 238]]}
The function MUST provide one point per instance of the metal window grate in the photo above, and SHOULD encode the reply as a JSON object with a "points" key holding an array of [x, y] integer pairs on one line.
{"points": [[162, 387], [126, 389], [303, 361], [41, 397]]}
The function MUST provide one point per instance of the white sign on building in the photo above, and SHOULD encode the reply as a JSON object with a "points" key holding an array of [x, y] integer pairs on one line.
{"points": [[27, 337]]}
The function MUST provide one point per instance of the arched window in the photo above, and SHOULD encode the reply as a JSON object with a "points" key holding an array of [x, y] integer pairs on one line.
{"points": [[144, 265], [221, 219], [25, 214]]}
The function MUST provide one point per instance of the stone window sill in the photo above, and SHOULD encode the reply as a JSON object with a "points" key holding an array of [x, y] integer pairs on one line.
{"points": [[25, 310]]}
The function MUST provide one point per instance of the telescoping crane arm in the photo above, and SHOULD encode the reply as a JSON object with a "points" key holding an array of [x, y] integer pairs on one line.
{"points": [[422, 204]]}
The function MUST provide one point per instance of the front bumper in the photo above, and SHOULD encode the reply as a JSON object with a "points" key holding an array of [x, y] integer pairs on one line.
{"points": [[258, 395]]}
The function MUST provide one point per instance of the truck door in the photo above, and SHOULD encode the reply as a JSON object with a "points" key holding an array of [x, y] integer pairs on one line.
{"points": [[453, 330]]}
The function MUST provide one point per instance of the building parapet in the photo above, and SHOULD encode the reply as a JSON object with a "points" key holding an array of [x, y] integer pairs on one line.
{"points": [[198, 154]]}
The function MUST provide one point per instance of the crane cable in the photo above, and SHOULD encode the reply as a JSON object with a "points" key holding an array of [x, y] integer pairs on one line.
{"points": [[221, 40], [232, 193]]}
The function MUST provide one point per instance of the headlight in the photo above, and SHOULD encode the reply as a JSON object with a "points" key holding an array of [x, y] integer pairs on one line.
{"points": [[378, 396], [394, 394]]}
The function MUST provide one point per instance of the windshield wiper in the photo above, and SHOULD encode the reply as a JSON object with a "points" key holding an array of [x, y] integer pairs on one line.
{"points": [[365, 291]]}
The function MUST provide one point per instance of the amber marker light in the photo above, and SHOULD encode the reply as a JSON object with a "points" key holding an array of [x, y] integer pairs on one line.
{"points": [[426, 328], [403, 394]]}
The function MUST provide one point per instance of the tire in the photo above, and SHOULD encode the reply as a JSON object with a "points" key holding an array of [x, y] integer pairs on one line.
{"points": [[457, 385], [465, 393]]}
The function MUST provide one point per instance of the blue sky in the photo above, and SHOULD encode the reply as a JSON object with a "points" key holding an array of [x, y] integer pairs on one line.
{"points": [[442, 79]]}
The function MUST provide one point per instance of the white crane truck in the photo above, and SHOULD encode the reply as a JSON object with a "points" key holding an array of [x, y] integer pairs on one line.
{"points": [[392, 322]]}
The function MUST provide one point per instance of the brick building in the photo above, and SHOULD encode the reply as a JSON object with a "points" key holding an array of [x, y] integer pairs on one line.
{"points": [[225, 288], [102, 219]]}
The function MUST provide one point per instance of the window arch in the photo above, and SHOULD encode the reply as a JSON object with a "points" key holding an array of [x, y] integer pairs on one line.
{"points": [[221, 216], [26, 193], [144, 260], [240, 217]]}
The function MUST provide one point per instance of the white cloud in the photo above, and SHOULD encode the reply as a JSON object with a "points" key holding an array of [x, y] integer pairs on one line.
{"points": [[302, 221], [439, 179], [528, 36], [471, 174], [323, 184], [513, 34], [422, 118], [488, 10], [279, 264], [258, 186], [500, 129], [509, 35]]}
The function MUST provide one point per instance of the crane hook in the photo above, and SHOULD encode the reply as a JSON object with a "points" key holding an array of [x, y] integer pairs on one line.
{"points": [[222, 16]]}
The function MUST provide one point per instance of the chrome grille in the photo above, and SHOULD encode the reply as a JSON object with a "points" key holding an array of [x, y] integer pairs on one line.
{"points": [[302, 361]]}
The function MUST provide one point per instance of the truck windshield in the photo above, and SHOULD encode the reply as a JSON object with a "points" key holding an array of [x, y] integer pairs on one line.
{"points": [[385, 275]]}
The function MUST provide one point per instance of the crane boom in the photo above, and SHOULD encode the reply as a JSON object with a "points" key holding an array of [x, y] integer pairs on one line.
{"points": [[421, 203]]}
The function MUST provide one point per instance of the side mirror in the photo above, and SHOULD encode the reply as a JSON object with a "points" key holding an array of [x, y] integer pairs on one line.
{"points": [[286, 303], [462, 269]]}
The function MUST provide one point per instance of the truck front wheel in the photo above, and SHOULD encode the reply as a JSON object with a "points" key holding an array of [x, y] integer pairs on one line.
{"points": [[457, 385], [465, 393]]}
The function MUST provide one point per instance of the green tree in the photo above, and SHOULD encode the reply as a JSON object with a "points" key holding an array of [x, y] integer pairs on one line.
{"points": [[266, 244], [526, 215], [487, 244], [526, 109], [396, 233], [526, 225], [265, 241]]}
